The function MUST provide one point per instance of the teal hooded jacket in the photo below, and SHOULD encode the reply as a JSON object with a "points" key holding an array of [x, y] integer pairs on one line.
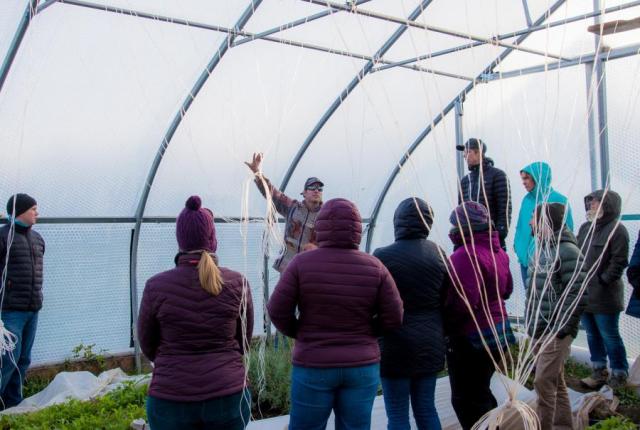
{"points": [[542, 192]]}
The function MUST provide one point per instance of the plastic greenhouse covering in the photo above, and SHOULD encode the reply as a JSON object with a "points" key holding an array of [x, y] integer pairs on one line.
{"points": [[113, 112]]}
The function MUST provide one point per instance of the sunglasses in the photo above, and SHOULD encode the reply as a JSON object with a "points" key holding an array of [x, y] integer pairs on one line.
{"points": [[314, 188]]}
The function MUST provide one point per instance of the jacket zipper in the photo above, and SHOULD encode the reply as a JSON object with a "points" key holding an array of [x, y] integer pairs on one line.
{"points": [[33, 269]]}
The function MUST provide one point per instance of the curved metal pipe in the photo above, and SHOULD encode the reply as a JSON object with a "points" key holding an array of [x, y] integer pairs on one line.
{"points": [[27, 16], [437, 119], [177, 120], [345, 93]]}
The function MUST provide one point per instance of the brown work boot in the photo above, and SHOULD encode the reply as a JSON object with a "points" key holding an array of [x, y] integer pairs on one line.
{"points": [[618, 381], [597, 379]]}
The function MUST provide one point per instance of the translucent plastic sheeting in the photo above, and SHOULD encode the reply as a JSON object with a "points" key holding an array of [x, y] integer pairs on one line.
{"points": [[271, 14], [573, 40], [398, 9], [623, 103], [416, 41], [569, 8], [10, 14], [263, 97], [225, 13], [339, 30], [429, 174], [86, 290], [86, 105], [371, 131], [469, 62], [483, 18]]}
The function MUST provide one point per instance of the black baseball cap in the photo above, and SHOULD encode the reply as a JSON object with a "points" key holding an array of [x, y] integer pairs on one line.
{"points": [[473, 143]]}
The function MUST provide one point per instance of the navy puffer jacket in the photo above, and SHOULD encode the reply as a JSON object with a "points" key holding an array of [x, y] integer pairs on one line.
{"points": [[417, 348], [492, 192], [23, 290]]}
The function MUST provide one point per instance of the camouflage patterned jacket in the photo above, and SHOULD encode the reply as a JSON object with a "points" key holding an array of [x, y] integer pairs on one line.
{"points": [[299, 228]]}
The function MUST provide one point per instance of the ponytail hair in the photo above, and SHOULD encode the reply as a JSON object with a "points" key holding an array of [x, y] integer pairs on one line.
{"points": [[209, 274]]}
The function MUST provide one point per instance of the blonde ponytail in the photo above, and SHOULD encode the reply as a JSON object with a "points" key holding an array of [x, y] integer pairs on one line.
{"points": [[209, 274]]}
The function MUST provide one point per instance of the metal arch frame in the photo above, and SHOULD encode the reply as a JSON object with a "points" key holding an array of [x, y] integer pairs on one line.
{"points": [[248, 35], [529, 30], [27, 16], [437, 29], [345, 93], [291, 24], [436, 120], [177, 120], [527, 13]]}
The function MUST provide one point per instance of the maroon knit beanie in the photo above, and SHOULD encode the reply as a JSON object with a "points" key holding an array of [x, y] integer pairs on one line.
{"points": [[194, 227]]}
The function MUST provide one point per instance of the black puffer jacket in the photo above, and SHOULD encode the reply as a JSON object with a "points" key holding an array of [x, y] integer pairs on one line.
{"points": [[417, 348], [23, 290], [606, 289], [498, 194]]}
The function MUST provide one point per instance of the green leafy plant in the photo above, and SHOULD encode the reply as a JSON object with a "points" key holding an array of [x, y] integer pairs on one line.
{"points": [[273, 399], [87, 353], [115, 410], [614, 423], [628, 396], [85, 357], [576, 369], [35, 384]]}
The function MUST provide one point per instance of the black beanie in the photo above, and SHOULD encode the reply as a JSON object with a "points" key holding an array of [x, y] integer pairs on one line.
{"points": [[24, 202]]}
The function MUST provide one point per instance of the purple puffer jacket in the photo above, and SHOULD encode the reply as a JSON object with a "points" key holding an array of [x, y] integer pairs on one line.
{"points": [[344, 296], [195, 339], [483, 273]]}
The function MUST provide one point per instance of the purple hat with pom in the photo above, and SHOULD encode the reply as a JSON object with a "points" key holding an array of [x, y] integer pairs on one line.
{"points": [[194, 227], [470, 213]]}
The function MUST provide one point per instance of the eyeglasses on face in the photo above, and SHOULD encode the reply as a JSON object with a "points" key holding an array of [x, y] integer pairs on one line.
{"points": [[314, 188]]}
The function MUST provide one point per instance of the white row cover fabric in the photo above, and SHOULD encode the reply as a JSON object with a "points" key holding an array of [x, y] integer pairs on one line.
{"points": [[75, 385]]}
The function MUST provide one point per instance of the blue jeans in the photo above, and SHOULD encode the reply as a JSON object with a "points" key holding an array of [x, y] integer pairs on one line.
{"points": [[397, 392], [603, 336], [349, 391], [14, 366], [231, 412]]}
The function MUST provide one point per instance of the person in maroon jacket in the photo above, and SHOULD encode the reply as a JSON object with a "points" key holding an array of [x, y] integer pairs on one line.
{"points": [[345, 298], [195, 324]]}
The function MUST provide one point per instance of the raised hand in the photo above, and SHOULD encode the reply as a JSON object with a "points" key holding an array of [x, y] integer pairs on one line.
{"points": [[254, 165]]}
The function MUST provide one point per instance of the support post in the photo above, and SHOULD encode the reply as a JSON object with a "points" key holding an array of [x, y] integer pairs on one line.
{"points": [[601, 98], [591, 122], [459, 139]]}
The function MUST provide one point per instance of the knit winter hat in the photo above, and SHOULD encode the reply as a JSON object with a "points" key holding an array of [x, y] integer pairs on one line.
{"points": [[470, 214], [195, 228], [23, 203]]}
